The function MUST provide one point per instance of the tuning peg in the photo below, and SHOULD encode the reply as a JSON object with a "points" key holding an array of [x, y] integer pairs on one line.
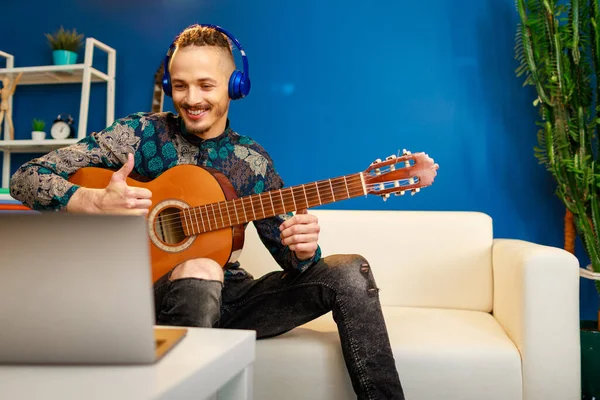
{"points": [[392, 167], [377, 161], [405, 152], [385, 196]]}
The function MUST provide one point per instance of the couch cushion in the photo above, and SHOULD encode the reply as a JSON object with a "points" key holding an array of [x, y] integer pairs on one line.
{"points": [[422, 259], [436, 352]]}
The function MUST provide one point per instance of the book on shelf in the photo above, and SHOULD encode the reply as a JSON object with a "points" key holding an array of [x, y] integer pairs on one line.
{"points": [[8, 203]]}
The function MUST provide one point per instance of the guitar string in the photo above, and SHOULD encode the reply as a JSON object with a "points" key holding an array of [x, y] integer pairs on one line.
{"points": [[354, 179], [220, 222], [255, 202]]}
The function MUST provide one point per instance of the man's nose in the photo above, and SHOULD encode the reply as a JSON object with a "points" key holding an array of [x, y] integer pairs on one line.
{"points": [[194, 95]]}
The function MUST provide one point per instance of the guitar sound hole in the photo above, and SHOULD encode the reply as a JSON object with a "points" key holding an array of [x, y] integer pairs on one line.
{"points": [[168, 226]]}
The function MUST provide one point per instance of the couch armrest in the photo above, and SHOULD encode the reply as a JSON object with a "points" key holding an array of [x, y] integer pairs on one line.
{"points": [[536, 300]]}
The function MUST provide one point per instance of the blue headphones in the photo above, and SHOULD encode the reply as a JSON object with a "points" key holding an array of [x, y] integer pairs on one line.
{"points": [[239, 82]]}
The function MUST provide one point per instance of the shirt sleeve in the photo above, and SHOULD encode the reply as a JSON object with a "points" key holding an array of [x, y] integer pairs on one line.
{"points": [[42, 183], [269, 233]]}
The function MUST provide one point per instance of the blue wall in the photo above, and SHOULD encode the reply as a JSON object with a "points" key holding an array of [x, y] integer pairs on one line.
{"points": [[336, 85]]}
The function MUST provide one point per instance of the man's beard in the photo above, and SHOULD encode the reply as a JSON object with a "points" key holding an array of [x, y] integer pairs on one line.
{"points": [[196, 131], [201, 129]]}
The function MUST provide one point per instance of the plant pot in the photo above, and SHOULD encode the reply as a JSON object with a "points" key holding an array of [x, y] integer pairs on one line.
{"points": [[590, 359], [64, 57], [38, 135]]}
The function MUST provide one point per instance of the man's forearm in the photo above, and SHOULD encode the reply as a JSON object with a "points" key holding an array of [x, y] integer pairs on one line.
{"points": [[40, 189]]}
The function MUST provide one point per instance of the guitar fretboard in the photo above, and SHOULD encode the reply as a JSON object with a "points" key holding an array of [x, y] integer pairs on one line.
{"points": [[209, 217]]}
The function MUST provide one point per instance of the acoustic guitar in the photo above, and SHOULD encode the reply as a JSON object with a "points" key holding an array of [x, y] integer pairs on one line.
{"points": [[195, 212]]}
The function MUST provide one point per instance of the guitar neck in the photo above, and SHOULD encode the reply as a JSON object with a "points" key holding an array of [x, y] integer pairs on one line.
{"points": [[228, 213]]}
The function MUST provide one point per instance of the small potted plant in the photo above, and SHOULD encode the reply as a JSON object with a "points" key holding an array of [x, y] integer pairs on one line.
{"points": [[65, 44], [38, 132]]}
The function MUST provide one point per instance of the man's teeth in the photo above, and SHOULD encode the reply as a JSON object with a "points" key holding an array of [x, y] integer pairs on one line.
{"points": [[196, 112]]}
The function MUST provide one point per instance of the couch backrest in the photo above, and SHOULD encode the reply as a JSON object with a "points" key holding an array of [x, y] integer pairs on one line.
{"points": [[419, 258]]}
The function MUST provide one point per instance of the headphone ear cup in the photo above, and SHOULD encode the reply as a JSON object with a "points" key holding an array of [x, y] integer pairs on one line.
{"points": [[166, 80], [239, 85], [166, 84], [234, 85]]}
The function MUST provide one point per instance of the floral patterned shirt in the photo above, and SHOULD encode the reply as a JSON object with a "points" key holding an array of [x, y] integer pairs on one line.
{"points": [[159, 141]]}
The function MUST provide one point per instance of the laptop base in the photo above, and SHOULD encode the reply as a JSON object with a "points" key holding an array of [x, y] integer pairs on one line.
{"points": [[166, 338]]}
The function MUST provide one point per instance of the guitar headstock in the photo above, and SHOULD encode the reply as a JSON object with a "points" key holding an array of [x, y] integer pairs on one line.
{"points": [[399, 174]]}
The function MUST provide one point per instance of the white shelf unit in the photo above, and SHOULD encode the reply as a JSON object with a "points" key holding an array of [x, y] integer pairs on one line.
{"points": [[83, 74]]}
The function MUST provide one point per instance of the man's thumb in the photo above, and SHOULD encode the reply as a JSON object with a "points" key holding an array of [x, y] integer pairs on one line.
{"points": [[126, 169]]}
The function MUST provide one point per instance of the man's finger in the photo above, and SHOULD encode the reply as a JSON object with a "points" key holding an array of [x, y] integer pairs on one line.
{"points": [[124, 211], [126, 169], [300, 238], [139, 193], [142, 203], [300, 228], [302, 217]]}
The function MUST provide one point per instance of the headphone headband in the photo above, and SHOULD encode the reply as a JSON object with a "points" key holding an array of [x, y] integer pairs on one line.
{"points": [[239, 82]]}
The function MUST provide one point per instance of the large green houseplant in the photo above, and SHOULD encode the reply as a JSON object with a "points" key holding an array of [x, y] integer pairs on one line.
{"points": [[558, 47]]}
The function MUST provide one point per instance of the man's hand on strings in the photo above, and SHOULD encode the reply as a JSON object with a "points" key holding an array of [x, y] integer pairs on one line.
{"points": [[301, 234]]}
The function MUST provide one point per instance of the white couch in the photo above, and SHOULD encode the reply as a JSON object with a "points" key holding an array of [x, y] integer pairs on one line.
{"points": [[470, 317]]}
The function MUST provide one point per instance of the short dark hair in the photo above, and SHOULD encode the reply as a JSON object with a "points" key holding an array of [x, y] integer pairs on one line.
{"points": [[198, 35]]}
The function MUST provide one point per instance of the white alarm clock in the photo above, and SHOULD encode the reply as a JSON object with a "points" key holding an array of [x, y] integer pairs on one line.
{"points": [[63, 127]]}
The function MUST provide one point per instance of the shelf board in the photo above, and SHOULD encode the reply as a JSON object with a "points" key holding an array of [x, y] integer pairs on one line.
{"points": [[34, 146], [51, 74]]}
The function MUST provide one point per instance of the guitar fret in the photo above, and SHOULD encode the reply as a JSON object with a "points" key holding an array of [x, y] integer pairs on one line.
{"points": [[196, 217], [293, 198], [323, 191], [191, 216], [191, 221], [244, 208], [346, 183], [185, 220], [236, 214], [202, 219], [214, 216], [305, 198], [332, 194], [208, 218], [284, 207], [318, 195], [282, 202], [228, 216], [261, 205], [272, 205], [252, 204], [221, 213]]}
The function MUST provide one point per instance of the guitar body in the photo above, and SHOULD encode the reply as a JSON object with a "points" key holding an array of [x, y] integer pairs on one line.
{"points": [[178, 188]]}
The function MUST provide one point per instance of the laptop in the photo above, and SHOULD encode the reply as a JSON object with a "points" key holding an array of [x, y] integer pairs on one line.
{"points": [[77, 289]]}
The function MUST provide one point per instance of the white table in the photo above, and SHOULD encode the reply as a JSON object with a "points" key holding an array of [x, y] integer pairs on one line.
{"points": [[206, 364]]}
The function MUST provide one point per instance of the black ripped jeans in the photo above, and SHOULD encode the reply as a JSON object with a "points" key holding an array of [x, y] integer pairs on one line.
{"points": [[281, 301]]}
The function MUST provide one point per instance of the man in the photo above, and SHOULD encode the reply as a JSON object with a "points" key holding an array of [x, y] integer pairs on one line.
{"points": [[198, 292]]}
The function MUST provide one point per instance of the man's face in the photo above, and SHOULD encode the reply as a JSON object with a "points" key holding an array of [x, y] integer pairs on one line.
{"points": [[200, 79]]}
